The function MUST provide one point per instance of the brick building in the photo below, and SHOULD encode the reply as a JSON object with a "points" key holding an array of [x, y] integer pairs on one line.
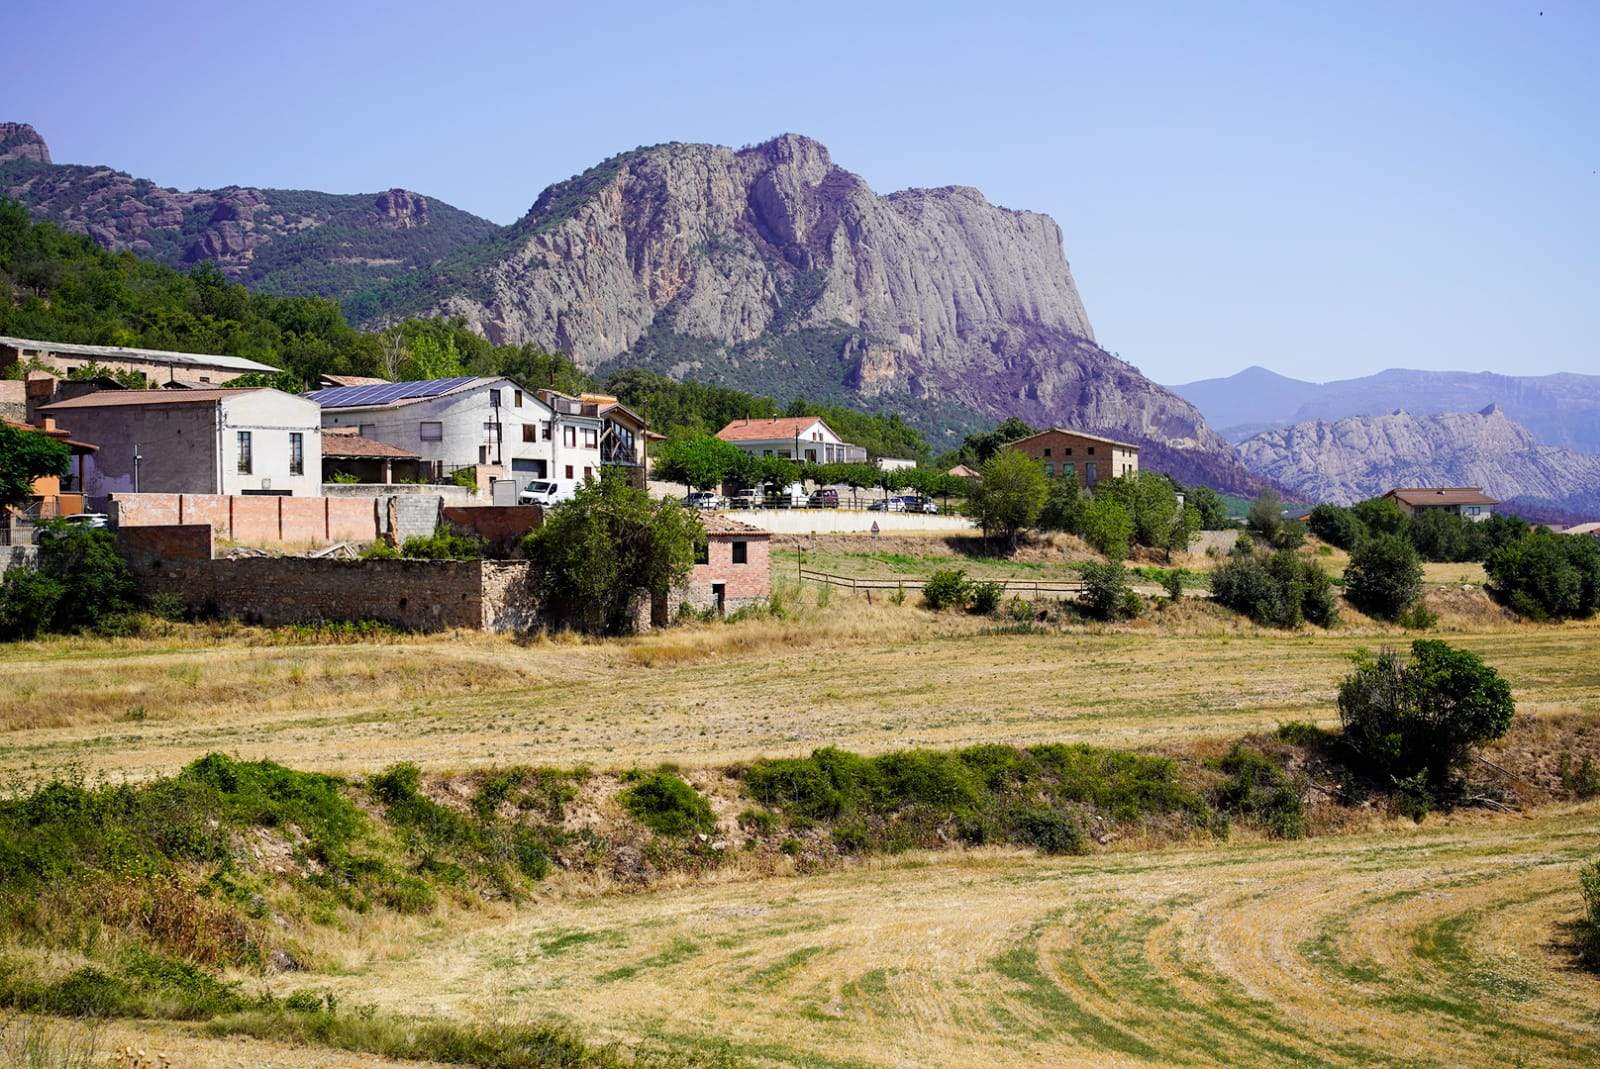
{"points": [[1085, 458], [734, 571]]}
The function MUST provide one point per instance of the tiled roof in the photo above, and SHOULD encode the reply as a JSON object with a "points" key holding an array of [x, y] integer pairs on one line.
{"points": [[718, 524], [353, 445], [58, 435], [1081, 434], [119, 352], [760, 430], [134, 398], [961, 471], [1442, 495], [352, 380]]}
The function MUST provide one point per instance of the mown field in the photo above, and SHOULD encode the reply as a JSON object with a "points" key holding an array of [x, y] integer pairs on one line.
{"points": [[1449, 943], [866, 678]]}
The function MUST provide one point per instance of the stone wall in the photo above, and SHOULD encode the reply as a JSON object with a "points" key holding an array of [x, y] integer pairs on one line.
{"points": [[414, 595], [18, 557], [501, 526], [13, 400]]}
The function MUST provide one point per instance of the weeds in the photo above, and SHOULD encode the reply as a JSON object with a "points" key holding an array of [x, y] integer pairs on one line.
{"points": [[1258, 790], [668, 805]]}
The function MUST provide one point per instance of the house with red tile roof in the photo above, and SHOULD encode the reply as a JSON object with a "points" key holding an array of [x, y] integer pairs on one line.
{"points": [[802, 438]]}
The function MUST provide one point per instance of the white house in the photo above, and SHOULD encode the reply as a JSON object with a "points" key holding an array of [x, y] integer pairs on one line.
{"points": [[472, 420], [244, 441], [1468, 502], [804, 438]]}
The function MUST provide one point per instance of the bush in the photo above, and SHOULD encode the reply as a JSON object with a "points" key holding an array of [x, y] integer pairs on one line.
{"points": [[81, 581], [1381, 516], [1418, 618], [1050, 832], [1258, 790], [1546, 576], [947, 588], [1384, 577], [1266, 515], [1337, 526], [986, 597], [1105, 591], [1423, 716], [1106, 525], [1582, 780], [444, 544], [667, 804], [28, 602], [168, 606], [1282, 591]]}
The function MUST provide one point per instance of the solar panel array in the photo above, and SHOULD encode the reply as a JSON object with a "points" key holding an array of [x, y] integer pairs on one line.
{"points": [[384, 393]]}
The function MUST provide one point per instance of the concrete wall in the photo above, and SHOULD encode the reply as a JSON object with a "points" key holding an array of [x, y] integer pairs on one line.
{"points": [[843, 521], [14, 400], [448, 493], [157, 372], [414, 595], [270, 417]]}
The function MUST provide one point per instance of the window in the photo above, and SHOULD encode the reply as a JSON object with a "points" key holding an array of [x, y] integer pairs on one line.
{"points": [[483, 454], [702, 553], [492, 431], [1046, 450], [544, 429], [588, 473], [205, 378], [591, 438], [1069, 471], [569, 436], [244, 453], [297, 453], [741, 552], [530, 432], [569, 471], [1090, 475], [494, 398], [1091, 450], [766, 452], [1049, 467], [431, 430], [1069, 450], [516, 399]]}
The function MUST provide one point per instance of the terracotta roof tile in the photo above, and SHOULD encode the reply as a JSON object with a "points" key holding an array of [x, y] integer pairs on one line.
{"points": [[718, 524], [353, 445], [1442, 495], [755, 430]]}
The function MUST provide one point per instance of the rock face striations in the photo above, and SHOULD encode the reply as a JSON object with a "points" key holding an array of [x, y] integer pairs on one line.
{"points": [[771, 268], [276, 240], [1362, 456]]}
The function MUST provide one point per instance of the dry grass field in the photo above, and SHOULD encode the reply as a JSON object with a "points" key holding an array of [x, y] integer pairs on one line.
{"points": [[866, 678]]}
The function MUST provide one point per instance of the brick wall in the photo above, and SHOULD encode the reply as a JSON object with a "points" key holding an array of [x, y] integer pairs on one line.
{"points": [[744, 584], [145, 547], [263, 521], [501, 526]]}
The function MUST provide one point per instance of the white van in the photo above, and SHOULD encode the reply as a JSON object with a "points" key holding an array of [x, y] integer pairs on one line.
{"points": [[545, 492]]}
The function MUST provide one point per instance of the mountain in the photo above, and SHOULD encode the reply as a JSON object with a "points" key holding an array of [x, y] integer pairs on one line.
{"points": [[772, 269], [282, 241], [1561, 409], [1362, 456]]}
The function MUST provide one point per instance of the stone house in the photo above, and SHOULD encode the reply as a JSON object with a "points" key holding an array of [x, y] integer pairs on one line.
{"points": [[1084, 458], [244, 441], [1468, 502], [158, 366], [804, 438]]}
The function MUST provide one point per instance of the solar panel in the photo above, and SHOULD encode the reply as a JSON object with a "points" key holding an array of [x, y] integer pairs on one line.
{"points": [[384, 393]]}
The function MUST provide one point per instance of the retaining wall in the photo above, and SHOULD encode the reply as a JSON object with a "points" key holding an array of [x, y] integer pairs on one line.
{"points": [[845, 521]]}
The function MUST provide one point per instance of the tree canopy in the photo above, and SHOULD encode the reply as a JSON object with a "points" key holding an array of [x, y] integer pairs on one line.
{"points": [[25, 456]]}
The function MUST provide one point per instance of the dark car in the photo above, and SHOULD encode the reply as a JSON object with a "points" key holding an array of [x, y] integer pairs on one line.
{"points": [[824, 499]]}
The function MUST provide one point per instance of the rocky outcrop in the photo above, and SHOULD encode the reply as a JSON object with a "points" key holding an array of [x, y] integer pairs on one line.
{"points": [[772, 268], [285, 241], [1362, 456], [19, 141]]}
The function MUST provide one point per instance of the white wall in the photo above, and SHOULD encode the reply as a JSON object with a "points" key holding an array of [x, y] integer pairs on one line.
{"points": [[270, 417], [463, 415], [842, 521]]}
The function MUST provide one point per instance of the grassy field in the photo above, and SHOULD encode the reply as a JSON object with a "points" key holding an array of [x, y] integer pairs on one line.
{"points": [[866, 678], [1443, 945]]}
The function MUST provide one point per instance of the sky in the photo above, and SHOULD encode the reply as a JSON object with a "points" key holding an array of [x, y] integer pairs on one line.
{"points": [[1323, 189]]}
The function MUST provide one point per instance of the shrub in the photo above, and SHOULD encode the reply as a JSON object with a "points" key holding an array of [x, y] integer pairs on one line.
{"points": [[81, 581], [1422, 716], [667, 804], [1589, 924], [380, 550], [1381, 516], [986, 597], [1545, 576], [1582, 780], [1172, 583], [1384, 577], [1291, 534], [946, 589], [1282, 591], [444, 544], [1337, 526], [1418, 618], [28, 601], [1258, 790], [168, 606], [1107, 527], [1010, 495], [1106, 591], [1266, 515], [1050, 832], [758, 821]]}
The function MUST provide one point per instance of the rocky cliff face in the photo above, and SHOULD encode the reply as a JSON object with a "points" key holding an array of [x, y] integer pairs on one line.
{"points": [[283, 241], [771, 268], [1361, 456]]}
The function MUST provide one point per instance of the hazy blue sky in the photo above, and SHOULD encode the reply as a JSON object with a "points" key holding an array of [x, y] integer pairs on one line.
{"points": [[1326, 189]]}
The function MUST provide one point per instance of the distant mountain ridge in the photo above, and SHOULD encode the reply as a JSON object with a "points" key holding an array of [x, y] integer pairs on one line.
{"points": [[1561, 409], [1362, 456], [282, 241]]}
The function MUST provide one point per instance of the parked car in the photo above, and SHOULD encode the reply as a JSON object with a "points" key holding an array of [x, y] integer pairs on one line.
{"points": [[544, 492], [826, 498], [918, 503], [88, 519], [747, 499], [706, 499], [887, 504], [792, 496]]}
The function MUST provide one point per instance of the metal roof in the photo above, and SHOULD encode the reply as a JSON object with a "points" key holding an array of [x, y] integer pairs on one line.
{"points": [[389, 392], [136, 398], [159, 356]]}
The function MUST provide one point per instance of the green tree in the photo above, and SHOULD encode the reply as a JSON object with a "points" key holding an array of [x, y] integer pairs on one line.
{"points": [[1423, 716], [1336, 525], [1063, 507], [1384, 577], [1010, 495], [1151, 502], [1266, 514], [1106, 526], [26, 456], [700, 463], [1547, 576], [595, 554], [1106, 593], [81, 580], [1381, 516], [977, 449], [1213, 510]]}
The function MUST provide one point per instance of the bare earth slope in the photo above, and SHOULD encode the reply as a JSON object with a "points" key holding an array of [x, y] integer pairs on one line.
{"points": [[1362, 456], [771, 268], [278, 240]]}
